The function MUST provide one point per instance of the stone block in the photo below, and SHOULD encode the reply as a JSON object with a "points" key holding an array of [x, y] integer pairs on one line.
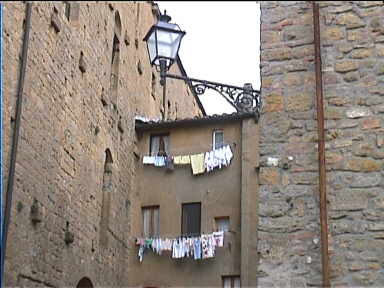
{"points": [[367, 4], [273, 103], [269, 176], [346, 66], [350, 19], [371, 123], [348, 226], [344, 47], [333, 34], [271, 37], [349, 201], [361, 53], [362, 165], [347, 123], [351, 76], [379, 51], [278, 54], [333, 113], [379, 70], [299, 102], [274, 208], [304, 178], [302, 52], [365, 180], [376, 227], [300, 32], [380, 139], [359, 36]]}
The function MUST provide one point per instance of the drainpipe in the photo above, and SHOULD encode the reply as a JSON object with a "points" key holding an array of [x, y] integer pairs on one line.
{"points": [[321, 149], [15, 139]]}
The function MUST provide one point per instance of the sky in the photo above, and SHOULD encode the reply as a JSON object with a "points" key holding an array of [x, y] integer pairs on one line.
{"points": [[222, 44]]}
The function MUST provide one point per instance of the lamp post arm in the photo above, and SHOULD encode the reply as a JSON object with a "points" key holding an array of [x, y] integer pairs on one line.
{"points": [[243, 99]]}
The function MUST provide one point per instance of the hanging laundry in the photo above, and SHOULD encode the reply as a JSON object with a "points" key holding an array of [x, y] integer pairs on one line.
{"points": [[181, 160], [159, 161], [197, 163], [218, 158], [197, 248], [219, 238], [169, 163], [149, 160]]}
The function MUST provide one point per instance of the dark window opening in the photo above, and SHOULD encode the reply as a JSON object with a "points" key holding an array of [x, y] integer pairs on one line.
{"points": [[72, 11], [151, 221], [191, 219], [222, 223], [159, 145], [153, 86]]}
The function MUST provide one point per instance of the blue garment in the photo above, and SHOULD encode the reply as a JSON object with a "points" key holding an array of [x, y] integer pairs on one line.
{"points": [[159, 161], [197, 248]]}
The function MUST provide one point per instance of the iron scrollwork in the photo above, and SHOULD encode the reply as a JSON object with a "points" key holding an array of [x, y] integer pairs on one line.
{"points": [[244, 99]]}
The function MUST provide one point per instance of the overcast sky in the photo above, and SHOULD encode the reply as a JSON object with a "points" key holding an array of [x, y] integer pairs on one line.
{"points": [[222, 44]]}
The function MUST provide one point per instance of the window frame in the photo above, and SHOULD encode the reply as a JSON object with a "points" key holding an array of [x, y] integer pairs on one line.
{"points": [[151, 137], [152, 229], [232, 279], [183, 229], [214, 138]]}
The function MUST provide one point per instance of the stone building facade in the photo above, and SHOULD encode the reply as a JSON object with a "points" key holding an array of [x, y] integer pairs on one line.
{"points": [[352, 52], [87, 77]]}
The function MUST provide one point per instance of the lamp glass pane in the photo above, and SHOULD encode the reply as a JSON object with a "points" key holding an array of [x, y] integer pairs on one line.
{"points": [[152, 46]]}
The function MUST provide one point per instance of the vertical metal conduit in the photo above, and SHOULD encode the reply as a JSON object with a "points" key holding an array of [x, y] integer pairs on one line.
{"points": [[15, 139], [321, 149]]}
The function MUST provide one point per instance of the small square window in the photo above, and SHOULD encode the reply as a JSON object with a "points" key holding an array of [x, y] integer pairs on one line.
{"points": [[151, 221], [218, 139], [222, 223], [231, 281], [191, 219], [159, 145]]}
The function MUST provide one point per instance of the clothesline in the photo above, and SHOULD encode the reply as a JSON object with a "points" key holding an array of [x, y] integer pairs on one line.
{"points": [[200, 162], [182, 151], [196, 247]]}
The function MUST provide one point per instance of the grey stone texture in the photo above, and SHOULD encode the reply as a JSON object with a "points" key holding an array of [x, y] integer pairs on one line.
{"points": [[352, 38], [71, 115]]}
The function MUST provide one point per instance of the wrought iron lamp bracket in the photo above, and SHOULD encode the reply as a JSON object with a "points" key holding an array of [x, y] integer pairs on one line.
{"points": [[244, 99]]}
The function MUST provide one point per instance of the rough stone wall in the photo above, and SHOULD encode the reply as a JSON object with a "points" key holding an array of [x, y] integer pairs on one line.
{"points": [[352, 39], [70, 118]]}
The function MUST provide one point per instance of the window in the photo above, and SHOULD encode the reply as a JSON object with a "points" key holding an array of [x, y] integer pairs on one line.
{"points": [[151, 221], [231, 281], [159, 145], [218, 139], [222, 223], [191, 218]]}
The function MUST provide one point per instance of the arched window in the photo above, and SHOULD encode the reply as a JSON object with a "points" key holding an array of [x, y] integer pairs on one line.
{"points": [[115, 60], [84, 282], [106, 200]]}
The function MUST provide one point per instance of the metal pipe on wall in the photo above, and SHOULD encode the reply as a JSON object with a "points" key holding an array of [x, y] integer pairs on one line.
{"points": [[15, 139], [321, 149]]}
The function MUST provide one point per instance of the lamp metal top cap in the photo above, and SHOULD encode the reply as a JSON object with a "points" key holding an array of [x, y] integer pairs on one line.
{"points": [[164, 17]]}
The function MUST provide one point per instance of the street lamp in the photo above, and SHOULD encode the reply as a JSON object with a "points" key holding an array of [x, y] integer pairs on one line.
{"points": [[163, 43]]}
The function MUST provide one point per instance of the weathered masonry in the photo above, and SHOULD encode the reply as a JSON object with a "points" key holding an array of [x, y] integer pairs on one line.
{"points": [[87, 75], [181, 200], [352, 53]]}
